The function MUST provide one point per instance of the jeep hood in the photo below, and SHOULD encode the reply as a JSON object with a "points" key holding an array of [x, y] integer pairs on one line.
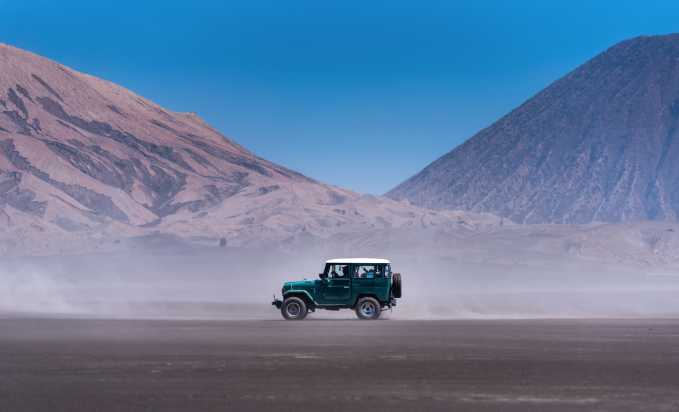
{"points": [[298, 284]]}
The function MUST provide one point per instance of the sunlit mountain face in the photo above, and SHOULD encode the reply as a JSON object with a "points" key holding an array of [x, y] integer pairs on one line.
{"points": [[84, 162]]}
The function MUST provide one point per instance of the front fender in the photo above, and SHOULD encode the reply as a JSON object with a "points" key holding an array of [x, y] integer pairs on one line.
{"points": [[299, 292]]}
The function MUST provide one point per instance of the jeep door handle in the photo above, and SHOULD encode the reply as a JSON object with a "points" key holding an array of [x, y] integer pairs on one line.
{"points": [[345, 287]]}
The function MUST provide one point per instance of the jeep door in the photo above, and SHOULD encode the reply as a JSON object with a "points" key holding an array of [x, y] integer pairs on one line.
{"points": [[336, 287]]}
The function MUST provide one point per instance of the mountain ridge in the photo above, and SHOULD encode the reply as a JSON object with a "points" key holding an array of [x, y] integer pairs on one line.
{"points": [[85, 162]]}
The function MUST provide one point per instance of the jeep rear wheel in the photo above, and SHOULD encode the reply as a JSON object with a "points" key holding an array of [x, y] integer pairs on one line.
{"points": [[368, 308], [293, 308]]}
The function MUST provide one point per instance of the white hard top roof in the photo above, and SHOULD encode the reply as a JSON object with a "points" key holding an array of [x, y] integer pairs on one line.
{"points": [[358, 260]]}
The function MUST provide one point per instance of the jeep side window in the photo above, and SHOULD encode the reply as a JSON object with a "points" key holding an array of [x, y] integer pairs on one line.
{"points": [[368, 271], [379, 271], [338, 271]]}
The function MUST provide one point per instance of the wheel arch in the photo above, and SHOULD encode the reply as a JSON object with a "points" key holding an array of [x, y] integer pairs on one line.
{"points": [[366, 295], [302, 294]]}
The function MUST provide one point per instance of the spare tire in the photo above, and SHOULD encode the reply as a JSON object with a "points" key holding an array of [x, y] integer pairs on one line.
{"points": [[396, 285]]}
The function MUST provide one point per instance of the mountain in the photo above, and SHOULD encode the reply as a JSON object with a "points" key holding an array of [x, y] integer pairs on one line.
{"points": [[600, 144], [85, 163]]}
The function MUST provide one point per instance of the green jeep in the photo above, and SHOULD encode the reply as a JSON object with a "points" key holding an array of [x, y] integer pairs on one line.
{"points": [[363, 284]]}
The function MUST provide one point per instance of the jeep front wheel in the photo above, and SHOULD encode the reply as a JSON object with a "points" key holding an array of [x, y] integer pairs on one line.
{"points": [[368, 308], [294, 308]]}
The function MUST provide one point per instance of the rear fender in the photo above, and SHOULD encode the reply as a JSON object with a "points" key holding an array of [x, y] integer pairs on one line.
{"points": [[367, 295]]}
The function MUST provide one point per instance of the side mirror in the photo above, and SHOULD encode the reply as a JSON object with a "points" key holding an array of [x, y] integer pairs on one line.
{"points": [[322, 276]]}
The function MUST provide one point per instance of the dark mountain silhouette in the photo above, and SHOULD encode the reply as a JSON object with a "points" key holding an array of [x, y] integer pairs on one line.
{"points": [[600, 144]]}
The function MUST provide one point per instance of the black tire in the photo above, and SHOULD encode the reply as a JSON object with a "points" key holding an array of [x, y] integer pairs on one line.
{"points": [[396, 285], [294, 308], [368, 308]]}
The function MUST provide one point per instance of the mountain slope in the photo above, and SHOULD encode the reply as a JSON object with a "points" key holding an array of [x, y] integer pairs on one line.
{"points": [[83, 161], [89, 142], [600, 144]]}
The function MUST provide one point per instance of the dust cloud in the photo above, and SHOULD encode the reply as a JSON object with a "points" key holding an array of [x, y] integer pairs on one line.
{"points": [[238, 283]]}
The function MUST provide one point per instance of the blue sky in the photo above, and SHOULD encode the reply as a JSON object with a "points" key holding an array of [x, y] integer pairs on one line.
{"points": [[360, 94]]}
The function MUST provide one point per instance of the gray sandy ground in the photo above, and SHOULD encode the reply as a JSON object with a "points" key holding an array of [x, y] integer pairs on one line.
{"points": [[332, 365]]}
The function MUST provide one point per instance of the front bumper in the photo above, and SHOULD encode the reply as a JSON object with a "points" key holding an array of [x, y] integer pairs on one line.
{"points": [[277, 303]]}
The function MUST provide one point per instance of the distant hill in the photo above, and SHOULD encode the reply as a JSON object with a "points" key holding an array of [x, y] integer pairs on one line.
{"points": [[85, 163], [600, 144]]}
